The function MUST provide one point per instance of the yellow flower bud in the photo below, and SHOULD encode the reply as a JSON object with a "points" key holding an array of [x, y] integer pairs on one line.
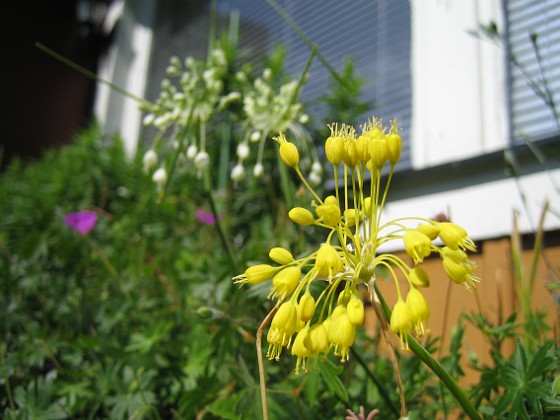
{"points": [[289, 154], [334, 149], [281, 255], [327, 261], [378, 150], [418, 277], [286, 281], [355, 311], [301, 216], [350, 217], [362, 146], [417, 245], [350, 156], [431, 231], [367, 206], [394, 147], [329, 211], [306, 307], [259, 273]]}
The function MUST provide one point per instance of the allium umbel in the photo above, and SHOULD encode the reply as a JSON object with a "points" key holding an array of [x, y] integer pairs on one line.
{"points": [[349, 258]]}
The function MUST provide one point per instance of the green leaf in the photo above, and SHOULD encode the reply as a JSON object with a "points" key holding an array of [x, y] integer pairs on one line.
{"points": [[225, 407], [329, 373], [555, 388]]}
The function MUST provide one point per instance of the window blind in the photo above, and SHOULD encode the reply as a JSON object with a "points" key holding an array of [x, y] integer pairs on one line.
{"points": [[531, 117]]}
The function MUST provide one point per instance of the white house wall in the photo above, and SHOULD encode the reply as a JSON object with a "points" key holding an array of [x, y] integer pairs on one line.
{"points": [[126, 66], [458, 82]]}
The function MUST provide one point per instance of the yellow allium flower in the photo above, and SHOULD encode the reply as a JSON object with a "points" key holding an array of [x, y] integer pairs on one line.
{"points": [[455, 237], [417, 245], [300, 350], [286, 281], [350, 256], [401, 322], [418, 309]]}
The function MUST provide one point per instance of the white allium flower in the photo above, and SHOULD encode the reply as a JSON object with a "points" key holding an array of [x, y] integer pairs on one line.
{"points": [[304, 118], [242, 151], [315, 179], [160, 176], [267, 74], [238, 173], [255, 136], [258, 170], [317, 168], [160, 121], [201, 160], [150, 159], [241, 76], [192, 151], [149, 119]]}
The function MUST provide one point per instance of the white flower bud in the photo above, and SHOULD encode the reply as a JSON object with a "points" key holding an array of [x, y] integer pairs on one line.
{"points": [[267, 74], [241, 76], [160, 176], [315, 179], [304, 118], [258, 170], [149, 119], [255, 136], [238, 173], [192, 151], [317, 168], [201, 160], [150, 159], [242, 151]]}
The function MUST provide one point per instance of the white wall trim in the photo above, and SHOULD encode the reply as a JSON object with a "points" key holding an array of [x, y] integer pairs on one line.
{"points": [[127, 66], [459, 103]]}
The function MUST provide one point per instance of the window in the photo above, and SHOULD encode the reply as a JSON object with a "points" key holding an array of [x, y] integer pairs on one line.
{"points": [[531, 117]]}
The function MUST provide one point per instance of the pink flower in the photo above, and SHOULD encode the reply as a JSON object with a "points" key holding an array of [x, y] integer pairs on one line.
{"points": [[205, 218], [81, 221]]}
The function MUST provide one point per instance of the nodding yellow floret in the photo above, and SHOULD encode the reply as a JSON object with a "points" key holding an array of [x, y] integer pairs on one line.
{"points": [[400, 322], [430, 230], [418, 309], [418, 277], [327, 261], [417, 245], [355, 310], [455, 237], [300, 350], [285, 282]]}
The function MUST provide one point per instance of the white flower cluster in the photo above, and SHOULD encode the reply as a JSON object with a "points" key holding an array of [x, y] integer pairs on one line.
{"points": [[202, 89]]}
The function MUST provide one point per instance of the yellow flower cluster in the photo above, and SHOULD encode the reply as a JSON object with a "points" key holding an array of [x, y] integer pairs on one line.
{"points": [[350, 256]]}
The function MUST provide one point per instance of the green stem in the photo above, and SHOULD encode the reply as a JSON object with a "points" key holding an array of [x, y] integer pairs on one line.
{"points": [[382, 391], [435, 366], [90, 74], [221, 232]]}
